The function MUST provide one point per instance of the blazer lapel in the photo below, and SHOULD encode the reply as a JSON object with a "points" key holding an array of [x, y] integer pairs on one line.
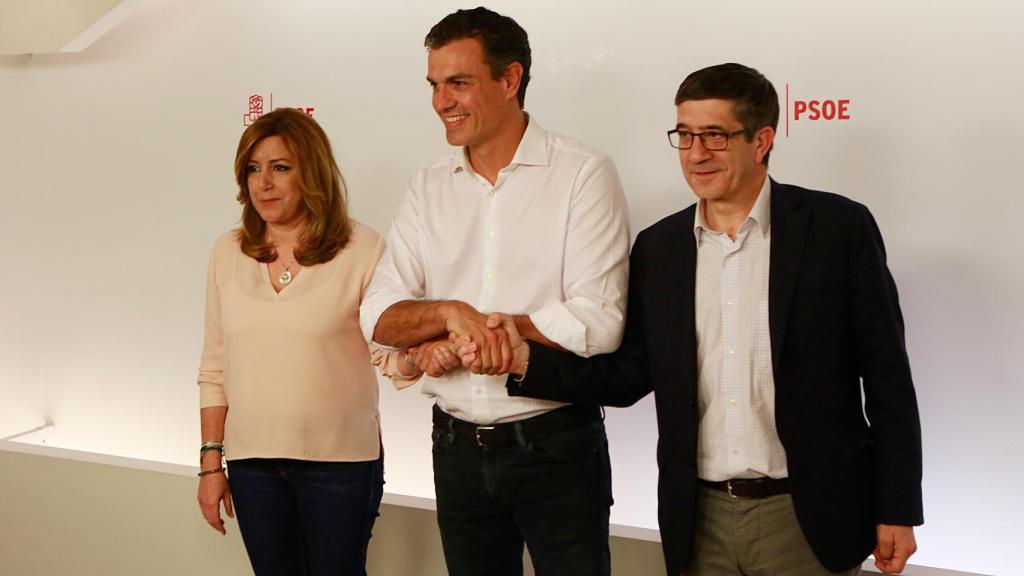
{"points": [[789, 225], [684, 283], [685, 277]]}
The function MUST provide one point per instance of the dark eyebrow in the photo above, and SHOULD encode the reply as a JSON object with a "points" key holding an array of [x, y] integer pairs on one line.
{"points": [[714, 127], [452, 78]]}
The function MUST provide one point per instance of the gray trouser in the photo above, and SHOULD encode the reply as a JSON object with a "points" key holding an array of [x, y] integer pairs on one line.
{"points": [[751, 537]]}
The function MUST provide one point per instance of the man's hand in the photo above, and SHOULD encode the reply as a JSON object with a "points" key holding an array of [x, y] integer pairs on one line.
{"points": [[895, 546], [467, 350], [493, 348], [435, 357]]}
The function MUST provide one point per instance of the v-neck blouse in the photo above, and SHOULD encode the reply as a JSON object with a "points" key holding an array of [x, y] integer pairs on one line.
{"points": [[292, 367]]}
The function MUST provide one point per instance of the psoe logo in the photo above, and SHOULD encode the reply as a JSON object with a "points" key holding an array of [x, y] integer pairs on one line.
{"points": [[256, 109], [815, 109]]}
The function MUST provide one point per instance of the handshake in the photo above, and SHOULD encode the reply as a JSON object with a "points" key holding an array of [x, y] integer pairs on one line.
{"points": [[484, 344]]}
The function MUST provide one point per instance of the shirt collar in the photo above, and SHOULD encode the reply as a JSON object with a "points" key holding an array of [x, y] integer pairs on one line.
{"points": [[762, 210], [532, 150], [760, 213]]}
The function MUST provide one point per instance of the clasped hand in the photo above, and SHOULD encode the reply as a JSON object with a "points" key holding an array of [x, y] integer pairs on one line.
{"points": [[503, 355], [487, 342], [483, 344], [490, 340]]}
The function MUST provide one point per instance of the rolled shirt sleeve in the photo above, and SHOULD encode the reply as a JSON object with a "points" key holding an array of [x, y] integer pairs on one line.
{"points": [[596, 266]]}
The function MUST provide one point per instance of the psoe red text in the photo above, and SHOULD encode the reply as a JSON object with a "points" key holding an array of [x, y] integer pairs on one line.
{"points": [[821, 109]]}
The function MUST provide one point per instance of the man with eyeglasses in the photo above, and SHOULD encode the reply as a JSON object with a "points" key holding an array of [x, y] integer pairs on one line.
{"points": [[758, 317], [526, 221]]}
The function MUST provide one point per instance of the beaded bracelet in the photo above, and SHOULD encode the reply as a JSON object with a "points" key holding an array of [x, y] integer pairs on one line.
{"points": [[211, 445], [208, 446]]}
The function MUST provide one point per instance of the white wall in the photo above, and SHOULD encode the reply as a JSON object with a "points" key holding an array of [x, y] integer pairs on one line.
{"points": [[117, 177]]}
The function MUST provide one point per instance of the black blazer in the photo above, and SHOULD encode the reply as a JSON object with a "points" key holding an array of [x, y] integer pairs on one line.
{"points": [[836, 329]]}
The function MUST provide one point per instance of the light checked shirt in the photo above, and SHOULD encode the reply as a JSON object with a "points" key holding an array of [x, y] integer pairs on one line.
{"points": [[736, 398]]}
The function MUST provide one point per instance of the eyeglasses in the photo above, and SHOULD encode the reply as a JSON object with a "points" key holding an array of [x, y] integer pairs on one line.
{"points": [[710, 140]]}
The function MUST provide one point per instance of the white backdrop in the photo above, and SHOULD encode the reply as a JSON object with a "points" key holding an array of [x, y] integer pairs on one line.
{"points": [[117, 177]]}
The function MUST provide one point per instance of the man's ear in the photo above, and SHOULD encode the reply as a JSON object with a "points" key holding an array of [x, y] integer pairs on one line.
{"points": [[513, 76], [763, 140]]}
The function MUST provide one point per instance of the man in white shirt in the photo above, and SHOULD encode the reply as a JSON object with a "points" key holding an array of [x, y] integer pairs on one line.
{"points": [[524, 221], [759, 316]]}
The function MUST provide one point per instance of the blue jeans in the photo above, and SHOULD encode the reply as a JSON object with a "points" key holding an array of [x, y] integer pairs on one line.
{"points": [[553, 493], [299, 517]]}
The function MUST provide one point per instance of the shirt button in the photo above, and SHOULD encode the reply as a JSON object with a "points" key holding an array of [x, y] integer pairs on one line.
{"points": [[732, 352], [732, 402], [728, 302], [477, 391], [491, 274], [491, 234], [735, 450]]}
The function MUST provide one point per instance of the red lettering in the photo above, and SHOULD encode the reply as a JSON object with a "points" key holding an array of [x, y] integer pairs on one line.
{"points": [[828, 109], [821, 109], [799, 107], [814, 106]]}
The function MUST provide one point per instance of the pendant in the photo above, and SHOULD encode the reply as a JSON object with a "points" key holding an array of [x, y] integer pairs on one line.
{"points": [[285, 278]]}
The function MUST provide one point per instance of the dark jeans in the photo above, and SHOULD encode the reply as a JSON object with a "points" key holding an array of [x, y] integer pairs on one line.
{"points": [[553, 493], [299, 517]]}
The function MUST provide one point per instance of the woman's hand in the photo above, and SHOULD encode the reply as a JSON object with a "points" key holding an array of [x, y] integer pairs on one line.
{"points": [[213, 489], [436, 357]]}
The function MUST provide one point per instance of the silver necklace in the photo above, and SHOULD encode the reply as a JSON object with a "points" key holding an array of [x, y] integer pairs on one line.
{"points": [[286, 277]]}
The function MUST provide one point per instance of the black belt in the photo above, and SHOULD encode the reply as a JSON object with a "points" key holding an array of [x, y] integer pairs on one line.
{"points": [[750, 488], [531, 429]]}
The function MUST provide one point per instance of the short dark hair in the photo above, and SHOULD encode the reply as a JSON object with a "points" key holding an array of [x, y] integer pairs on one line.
{"points": [[755, 102], [504, 40]]}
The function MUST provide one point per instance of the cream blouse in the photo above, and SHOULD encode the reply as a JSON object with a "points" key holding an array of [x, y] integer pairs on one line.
{"points": [[292, 367]]}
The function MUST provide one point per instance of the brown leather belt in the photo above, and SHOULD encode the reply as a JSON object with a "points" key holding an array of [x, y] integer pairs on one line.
{"points": [[531, 429], [750, 488]]}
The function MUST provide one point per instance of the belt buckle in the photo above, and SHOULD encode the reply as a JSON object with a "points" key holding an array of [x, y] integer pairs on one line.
{"points": [[477, 434], [728, 489]]}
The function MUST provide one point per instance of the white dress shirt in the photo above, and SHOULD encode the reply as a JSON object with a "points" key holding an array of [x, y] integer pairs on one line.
{"points": [[550, 239], [737, 436]]}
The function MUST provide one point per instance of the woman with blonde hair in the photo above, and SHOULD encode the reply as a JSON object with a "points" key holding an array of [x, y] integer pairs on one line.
{"points": [[288, 397]]}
